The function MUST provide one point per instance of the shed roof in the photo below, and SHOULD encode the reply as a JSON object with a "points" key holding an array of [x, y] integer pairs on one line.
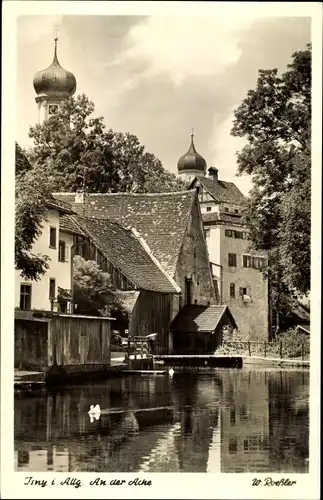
{"points": [[128, 253], [194, 318], [160, 218]]}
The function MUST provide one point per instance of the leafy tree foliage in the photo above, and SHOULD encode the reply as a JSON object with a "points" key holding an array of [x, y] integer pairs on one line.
{"points": [[93, 289], [275, 119], [78, 153], [31, 197]]}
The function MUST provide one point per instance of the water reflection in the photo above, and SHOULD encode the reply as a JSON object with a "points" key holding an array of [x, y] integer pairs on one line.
{"points": [[224, 421]]}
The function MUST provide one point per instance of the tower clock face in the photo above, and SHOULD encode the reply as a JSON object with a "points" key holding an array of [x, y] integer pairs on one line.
{"points": [[52, 109]]}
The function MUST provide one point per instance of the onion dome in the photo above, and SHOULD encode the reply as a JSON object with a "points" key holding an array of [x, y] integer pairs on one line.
{"points": [[55, 81], [191, 160]]}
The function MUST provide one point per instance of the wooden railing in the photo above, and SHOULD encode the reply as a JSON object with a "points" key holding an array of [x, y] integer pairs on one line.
{"points": [[262, 347], [138, 347]]}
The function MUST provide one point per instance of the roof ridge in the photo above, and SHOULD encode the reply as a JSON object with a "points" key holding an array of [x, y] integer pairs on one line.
{"points": [[187, 191], [147, 249]]}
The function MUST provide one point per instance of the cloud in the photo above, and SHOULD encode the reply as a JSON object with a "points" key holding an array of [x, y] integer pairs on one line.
{"points": [[223, 147], [185, 46], [34, 28]]}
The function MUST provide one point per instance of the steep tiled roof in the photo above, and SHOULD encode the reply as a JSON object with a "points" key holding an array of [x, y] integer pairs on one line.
{"points": [[126, 253], [160, 218], [210, 217], [68, 225], [222, 191], [62, 206], [200, 318], [128, 299]]}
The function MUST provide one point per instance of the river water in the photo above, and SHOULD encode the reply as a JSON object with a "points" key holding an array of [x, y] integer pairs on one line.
{"points": [[225, 420]]}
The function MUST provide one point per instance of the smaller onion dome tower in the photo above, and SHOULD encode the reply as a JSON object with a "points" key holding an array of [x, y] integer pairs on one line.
{"points": [[192, 164], [52, 85]]}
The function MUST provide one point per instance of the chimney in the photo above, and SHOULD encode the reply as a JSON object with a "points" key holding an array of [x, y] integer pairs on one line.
{"points": [[213, 173], [79, 197]]}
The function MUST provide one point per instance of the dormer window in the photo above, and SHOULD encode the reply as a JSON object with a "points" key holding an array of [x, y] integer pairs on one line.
{"points": [[208, 209]]}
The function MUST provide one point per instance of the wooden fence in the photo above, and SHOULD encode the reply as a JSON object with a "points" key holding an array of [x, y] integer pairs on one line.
{"points": [[253, 347]]}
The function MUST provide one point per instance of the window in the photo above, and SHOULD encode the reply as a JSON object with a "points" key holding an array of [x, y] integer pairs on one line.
{"points": [[245, 290], [232, 416], [233, 446], [208, 209], [62, 305], [253, 261], [226, 209], [232, 290], [230, 233], [207, 233], [52, 287], [236, 211], [188, 291], [232, 259], [25, 297], [61, 251], [52, 237]]}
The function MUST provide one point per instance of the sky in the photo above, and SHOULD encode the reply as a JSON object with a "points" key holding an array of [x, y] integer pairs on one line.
{"points": [[158, 76]]}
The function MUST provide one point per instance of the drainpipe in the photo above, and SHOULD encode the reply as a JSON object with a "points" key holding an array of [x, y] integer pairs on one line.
{"points": [[221, 279]]}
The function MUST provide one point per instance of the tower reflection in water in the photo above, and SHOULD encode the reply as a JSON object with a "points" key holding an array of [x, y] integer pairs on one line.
{"points": [[224, 421]]}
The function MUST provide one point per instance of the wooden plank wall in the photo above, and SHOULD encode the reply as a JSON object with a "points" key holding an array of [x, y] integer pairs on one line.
{"points": [[79, 341], [152, 314], [30, 344]]}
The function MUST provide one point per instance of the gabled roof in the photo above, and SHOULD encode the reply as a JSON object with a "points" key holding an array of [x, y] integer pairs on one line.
{"points": [[68, 225], [62, 206], [160, 218], [127, 253], [221, 191], [195, 318]]}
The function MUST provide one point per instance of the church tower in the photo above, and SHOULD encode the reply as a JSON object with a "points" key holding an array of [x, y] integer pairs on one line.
{"points": [[192, 164], [52, 85]]}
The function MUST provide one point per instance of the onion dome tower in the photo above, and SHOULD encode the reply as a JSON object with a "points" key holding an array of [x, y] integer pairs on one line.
{"points": [[192, 164], [53, 85]]}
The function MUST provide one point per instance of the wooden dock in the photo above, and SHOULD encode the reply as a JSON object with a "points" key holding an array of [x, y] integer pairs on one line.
{"points": [[205, 360]]}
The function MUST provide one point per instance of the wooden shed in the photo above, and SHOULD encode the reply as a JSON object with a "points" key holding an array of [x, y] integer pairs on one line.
{"points": [[71, 343], [198, 329]]}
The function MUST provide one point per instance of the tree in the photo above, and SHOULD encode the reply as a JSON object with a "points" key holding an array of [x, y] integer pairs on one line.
{"points": [[32, 193], [78, 153], [74, 150], [275, 118], [93, 290]]}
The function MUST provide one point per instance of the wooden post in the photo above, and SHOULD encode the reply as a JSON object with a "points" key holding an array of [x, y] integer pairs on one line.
{"points": [[249, 348], [281, 349], [142, 349], [265, 348], [302, 350]]}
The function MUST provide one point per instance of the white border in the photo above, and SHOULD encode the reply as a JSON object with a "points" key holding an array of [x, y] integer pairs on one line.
{"points": [[164, 485]]}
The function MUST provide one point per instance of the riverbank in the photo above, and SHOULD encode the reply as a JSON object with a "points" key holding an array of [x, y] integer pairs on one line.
{"points": [[275, 362]]}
